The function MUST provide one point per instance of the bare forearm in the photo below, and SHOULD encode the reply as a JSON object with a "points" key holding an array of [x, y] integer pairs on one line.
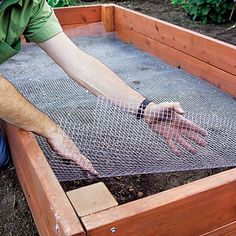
{"points": [[16, 110], [88, 71]]}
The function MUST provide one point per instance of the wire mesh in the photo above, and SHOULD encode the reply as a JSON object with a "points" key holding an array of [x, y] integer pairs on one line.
{"points": [[119, 144], [113, 140]]}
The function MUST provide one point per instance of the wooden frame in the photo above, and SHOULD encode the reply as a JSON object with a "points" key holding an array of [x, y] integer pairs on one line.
{"points": [[204, 207]]}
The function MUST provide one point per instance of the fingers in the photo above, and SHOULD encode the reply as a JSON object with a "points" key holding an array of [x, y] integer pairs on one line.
{"points": [[186, 145], [170, 142], [177, 108], [189, 125], [173, 147], [85, 164], [171, 105], [194, 137], [64, 147]]}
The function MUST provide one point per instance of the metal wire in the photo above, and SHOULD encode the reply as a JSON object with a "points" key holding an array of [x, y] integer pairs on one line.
{"points": [[113, 140], [119, 144]]}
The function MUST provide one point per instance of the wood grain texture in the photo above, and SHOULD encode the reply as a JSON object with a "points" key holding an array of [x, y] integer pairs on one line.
{"points": [[209, 50], [107, 12], [189, 210], [51, 209], [226, 230], [78, 15], [91, 199], [94, 29], [220, 78], [72, 31]]}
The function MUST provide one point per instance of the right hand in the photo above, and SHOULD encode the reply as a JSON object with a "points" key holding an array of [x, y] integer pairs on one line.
{"points": [[61, 143], [167, 120]]}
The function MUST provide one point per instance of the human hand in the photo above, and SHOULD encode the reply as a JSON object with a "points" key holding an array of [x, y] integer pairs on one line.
{"points": [[167, 120], [64, 147]]}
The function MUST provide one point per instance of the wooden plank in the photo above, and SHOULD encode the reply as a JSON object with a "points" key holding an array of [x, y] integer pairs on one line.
{"points": [[209, 50], [51, 209], [72, 31], [191, 209], [91, 199], [78, 15], [94, 29], [226, 230], [107, 12], [218, 77]]}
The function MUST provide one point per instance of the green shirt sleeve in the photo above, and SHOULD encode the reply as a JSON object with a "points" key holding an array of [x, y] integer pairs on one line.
{"points": [[43, 23]]}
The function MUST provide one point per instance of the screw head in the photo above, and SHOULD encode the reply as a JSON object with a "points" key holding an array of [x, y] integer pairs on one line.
{"points": [[113, 230]]}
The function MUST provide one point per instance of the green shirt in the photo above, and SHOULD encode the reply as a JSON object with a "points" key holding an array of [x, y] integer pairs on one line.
{"points": [[34, 19]]}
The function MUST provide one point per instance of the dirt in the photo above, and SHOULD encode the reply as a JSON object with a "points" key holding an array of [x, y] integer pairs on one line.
{"points": [[15, 217], [130, 188]]}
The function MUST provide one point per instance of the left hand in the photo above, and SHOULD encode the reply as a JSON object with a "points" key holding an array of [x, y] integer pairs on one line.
{"points": [[64, 147], [167, 120]]}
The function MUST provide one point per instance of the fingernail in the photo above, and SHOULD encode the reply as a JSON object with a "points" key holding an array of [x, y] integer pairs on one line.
{"points": [[180, 111], [94, 172]]}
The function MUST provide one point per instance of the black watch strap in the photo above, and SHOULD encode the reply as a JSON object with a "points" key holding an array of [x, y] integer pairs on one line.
{"points": [[141, 109]]}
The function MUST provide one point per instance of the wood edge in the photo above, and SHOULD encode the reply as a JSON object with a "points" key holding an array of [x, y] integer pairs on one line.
{"points": [[79, 7], [226, 230], [88, 196], [193, 49], [61, 218], [107, 15], [93, 29], [144, 205], [177, 27], [79, 30], [225, 81], [76, 16]]}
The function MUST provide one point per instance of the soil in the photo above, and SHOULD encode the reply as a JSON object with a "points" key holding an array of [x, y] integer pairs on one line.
{"points": [[15, 217], [130, 188]]}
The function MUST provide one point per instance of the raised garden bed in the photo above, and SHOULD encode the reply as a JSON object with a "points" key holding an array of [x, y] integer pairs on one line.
{"points": [[204, 207]]}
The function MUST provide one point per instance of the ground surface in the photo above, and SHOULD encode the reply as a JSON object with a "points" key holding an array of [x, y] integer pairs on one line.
{"points": [[15, 217]]}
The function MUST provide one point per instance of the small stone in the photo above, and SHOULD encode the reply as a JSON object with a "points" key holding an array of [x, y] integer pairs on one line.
{"points": [[131, 189], [136, 82], [140, 194]]}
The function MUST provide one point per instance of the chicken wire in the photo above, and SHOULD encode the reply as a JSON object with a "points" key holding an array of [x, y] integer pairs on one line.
{"points": [[113, 140]]}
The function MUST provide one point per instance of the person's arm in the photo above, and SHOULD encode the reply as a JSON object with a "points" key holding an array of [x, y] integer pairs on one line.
{"points": [[100, 80], [89, 72], [16, 110], [92, 74]]}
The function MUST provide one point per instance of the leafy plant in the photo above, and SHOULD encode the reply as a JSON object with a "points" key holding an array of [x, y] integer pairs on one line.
{"points": [[62, 3], [217, 11]]}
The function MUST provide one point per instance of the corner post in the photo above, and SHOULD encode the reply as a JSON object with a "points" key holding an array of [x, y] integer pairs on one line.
{"points": [[107, 12]]}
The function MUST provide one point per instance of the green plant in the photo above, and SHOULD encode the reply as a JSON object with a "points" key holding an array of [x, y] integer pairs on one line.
{"points": [[216, 11], [62, 3]]}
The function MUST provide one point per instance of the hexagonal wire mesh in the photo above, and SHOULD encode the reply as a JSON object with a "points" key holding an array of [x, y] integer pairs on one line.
{"points": [[114, 141]]}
